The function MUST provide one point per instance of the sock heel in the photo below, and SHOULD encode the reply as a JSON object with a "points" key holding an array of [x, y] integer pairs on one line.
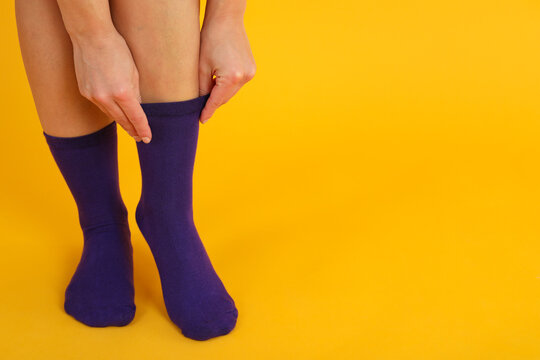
{"points": [[139, 218]]}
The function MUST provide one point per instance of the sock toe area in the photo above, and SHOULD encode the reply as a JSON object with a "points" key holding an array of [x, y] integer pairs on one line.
{"points": [[101, 315], [210, 329]]}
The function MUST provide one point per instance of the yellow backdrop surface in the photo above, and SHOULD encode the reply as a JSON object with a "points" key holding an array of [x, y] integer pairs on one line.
{"points": [[373, 193]]}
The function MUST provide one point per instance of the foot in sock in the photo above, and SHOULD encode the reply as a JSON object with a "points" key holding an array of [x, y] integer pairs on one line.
{"points": [[101, 291], [195, 297]]}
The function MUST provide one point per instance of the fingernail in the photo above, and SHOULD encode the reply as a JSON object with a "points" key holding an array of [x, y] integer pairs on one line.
{"points": [[137, 139], [146, 140]]}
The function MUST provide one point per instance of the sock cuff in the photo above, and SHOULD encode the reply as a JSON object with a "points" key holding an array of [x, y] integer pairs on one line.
{"points": [[175, 107], [104, 134]]}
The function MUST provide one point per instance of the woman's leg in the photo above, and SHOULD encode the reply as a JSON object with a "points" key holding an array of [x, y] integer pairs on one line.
{"points": [[82, 141], [48, 59], [164, 39]]}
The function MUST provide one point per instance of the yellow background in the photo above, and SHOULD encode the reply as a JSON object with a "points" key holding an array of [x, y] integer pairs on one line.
{"points": [[373, 193]]}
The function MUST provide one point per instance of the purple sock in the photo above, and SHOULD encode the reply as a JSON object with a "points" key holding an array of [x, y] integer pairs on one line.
{"points": [[100, 292], [195, 297]]}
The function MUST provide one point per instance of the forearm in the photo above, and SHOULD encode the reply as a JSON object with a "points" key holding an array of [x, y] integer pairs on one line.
{"points": [[86, 19], [232, 10]]}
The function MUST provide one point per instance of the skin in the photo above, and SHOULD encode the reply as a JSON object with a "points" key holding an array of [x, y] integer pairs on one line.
{"points": [[92, 62]]}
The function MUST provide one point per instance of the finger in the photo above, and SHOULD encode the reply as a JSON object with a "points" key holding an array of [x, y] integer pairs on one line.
{"points": [[136, 116], [110, 116], [221, 93], [119, 116]]}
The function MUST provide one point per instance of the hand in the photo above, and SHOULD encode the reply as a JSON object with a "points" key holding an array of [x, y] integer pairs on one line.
{"points": [[225, 53], [107, 76]]}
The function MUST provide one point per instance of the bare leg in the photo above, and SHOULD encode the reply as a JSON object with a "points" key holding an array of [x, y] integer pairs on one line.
{"points": [[48, 59], [163, 37]]}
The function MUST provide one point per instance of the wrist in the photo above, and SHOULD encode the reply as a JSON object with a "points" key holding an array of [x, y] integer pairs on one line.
{"points": [[95, 37], [225, 11]]}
